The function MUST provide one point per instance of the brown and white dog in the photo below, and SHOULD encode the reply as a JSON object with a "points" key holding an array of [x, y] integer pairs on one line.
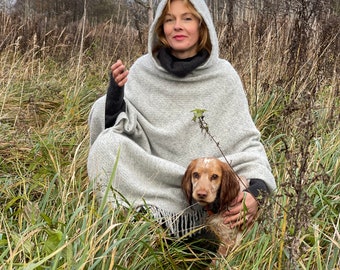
{"points": [[214, 185]]}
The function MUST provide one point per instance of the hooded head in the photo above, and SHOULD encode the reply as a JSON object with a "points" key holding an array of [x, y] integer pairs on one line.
{"points": [[207, 34]]}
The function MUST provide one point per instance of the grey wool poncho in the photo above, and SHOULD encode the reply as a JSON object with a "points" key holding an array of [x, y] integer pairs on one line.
{"points": [[157, 137]]}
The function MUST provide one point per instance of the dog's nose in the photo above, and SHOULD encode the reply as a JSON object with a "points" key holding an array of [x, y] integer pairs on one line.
{"points": [[202, 194]]}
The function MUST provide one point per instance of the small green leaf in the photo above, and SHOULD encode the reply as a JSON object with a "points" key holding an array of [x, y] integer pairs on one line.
{"points": [[198, 113], [31, 212], [53, 240], [47, 219], [25, 244]]}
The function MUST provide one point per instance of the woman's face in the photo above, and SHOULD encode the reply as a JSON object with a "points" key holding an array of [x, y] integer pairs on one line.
{"points": [[181, 29]]}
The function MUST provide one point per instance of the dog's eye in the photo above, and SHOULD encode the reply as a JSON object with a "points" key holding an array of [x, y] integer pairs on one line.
{"points": [[214, 177], [196, 175]]}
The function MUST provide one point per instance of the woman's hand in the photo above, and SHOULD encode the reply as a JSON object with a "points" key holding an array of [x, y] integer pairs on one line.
{"points": [[242, 212], [119, 73]]}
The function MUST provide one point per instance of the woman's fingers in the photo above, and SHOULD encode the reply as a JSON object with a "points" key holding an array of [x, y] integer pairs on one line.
{"points": [[241, 220], [119, 73], [243, 212]]}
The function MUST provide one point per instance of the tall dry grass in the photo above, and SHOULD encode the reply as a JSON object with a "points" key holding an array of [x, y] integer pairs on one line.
{"points": [[50, 78]]}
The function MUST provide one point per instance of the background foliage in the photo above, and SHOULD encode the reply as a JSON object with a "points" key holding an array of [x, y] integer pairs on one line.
{"points": [[54, 63]]}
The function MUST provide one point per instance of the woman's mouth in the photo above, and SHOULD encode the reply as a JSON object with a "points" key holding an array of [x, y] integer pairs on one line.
{"points": [[179, 37]]}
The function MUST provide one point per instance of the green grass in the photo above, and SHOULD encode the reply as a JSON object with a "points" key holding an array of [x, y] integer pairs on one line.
{"points": [[49, 216]]}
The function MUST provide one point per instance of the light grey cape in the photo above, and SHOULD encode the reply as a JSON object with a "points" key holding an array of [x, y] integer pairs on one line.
{"points": [[158, 138]]}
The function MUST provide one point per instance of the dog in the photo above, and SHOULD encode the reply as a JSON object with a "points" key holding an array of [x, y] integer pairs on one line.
{"points": [[214, 185]]}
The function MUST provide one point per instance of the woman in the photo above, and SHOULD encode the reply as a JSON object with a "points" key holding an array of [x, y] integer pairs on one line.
{"points": [[147, 114]]}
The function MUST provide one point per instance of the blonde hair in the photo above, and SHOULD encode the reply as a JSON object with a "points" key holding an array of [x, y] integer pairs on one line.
{"points": [[204, 38]]}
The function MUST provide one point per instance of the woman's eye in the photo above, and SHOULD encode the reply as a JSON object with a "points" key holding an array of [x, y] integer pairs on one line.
{"points": [[168, 19]]}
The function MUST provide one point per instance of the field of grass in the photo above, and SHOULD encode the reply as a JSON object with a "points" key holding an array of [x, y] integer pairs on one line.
{"points": [[49, 218]]}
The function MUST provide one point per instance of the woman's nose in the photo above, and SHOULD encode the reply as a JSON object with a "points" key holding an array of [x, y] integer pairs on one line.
{"points": [[178, 25]]}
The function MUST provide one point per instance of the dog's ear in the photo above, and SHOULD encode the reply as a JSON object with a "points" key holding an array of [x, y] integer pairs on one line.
{"points": [[186, 182], [230, 186]]}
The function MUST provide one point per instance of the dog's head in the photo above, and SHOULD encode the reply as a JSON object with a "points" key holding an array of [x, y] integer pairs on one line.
{"points": [[209, 179]]}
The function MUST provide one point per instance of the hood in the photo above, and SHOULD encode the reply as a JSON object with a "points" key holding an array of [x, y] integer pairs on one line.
{"points": [[202, 9]]}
